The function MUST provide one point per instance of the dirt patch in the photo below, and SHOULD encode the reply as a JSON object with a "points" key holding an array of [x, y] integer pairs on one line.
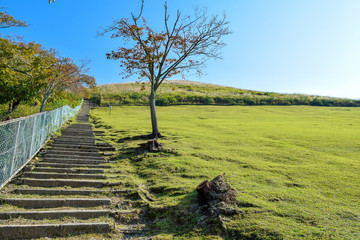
{"points": [[152, 146]]}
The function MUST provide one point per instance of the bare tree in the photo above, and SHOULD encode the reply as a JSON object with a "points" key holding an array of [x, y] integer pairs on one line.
{"points": [[184, 45]]}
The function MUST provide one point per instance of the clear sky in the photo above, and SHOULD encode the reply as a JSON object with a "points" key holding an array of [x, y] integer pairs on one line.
{"points": [[287, 46]]}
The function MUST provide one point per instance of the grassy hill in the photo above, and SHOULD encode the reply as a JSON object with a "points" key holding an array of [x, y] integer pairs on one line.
{"points": [[295, 168], [188, 92]]}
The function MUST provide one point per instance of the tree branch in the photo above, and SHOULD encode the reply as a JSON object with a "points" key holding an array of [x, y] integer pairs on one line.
{"points": [[141, 10]]}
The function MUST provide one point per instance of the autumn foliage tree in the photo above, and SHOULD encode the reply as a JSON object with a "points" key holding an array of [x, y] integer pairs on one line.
{"points": [[7, 21], [28, 71], [21, 67], [19, 62], [65, 76], [184, 45]]}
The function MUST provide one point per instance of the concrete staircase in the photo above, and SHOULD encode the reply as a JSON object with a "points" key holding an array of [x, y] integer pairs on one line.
{"points": [[63, 193]]}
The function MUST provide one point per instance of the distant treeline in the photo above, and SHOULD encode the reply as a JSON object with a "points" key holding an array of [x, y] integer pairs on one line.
{"points": [[247, 98]]}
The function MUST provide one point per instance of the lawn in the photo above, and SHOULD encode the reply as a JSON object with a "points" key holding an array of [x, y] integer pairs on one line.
{"points": [[295, 168]]}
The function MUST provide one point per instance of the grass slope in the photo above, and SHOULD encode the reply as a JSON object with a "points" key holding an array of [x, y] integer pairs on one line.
{"points": [[295, 167], [188, 92], [27, 109]]}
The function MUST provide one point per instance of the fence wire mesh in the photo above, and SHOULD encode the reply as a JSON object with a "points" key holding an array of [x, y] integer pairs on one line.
{"points": [[22, 138]]}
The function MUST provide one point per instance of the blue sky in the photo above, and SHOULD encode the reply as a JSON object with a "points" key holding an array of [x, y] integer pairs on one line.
{"points": [[288, 46]]}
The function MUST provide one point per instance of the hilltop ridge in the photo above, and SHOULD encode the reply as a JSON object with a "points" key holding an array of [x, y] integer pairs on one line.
{"points": [[184, 92]]}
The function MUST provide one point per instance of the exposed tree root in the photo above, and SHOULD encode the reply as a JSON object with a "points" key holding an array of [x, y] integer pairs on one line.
{"points": [[152, 145], [215, 197], [155, 135]]}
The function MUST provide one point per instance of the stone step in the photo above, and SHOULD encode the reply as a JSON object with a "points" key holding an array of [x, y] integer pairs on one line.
{"points": [[64, 156], [82, 127], [45, 175], [60, 183], [51, 230], [67, 192], [72, 141], [61, 147], [74, 136], [55, 203], [79, 137], [75, 149], [79, 214], [74, 132], [52, 152], [46, 191], [78, 128], [74, 145], [82, 133], [69, 165], [83, 119], [75, 139], [72, 161], [67, 170]]}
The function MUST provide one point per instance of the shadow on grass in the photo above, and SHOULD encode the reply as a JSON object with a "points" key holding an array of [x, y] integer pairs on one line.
{"points": [[186, 219], [99, 124], [133, 138], [183, 220]]}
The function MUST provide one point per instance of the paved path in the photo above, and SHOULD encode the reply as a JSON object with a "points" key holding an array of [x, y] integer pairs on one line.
{"points": [[62, 194]]}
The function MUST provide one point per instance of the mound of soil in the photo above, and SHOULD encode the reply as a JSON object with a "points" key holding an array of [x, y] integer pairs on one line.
{"points": [[216, 191]]}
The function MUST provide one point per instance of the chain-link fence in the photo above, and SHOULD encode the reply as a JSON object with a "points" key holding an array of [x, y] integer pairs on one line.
{"points": [[22, 138]]}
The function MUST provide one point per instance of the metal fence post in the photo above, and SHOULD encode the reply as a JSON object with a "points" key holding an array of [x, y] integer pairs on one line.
{"points": [[44, 124], [32, 137], [61, 117], [15, 147]]}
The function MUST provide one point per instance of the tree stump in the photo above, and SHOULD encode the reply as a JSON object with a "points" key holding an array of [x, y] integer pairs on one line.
{"points": [[152, 145], [216, 191], [215, 196]]}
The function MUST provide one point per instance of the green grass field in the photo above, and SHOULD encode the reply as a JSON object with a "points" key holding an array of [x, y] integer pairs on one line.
{"points": [[295, 168]]}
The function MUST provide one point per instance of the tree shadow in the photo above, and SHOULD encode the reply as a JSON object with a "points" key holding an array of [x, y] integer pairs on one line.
{"points": [[98, 123], [183, 220], [133, 138]]}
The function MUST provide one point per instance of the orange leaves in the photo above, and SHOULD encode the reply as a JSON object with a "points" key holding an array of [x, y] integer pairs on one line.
{"points": [[184, 44], [68, 76]]}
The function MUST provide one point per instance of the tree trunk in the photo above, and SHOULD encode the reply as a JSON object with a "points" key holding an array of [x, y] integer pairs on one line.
{"points": [[43, 103], [155, 129], [10, 106], [13, 105]]}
